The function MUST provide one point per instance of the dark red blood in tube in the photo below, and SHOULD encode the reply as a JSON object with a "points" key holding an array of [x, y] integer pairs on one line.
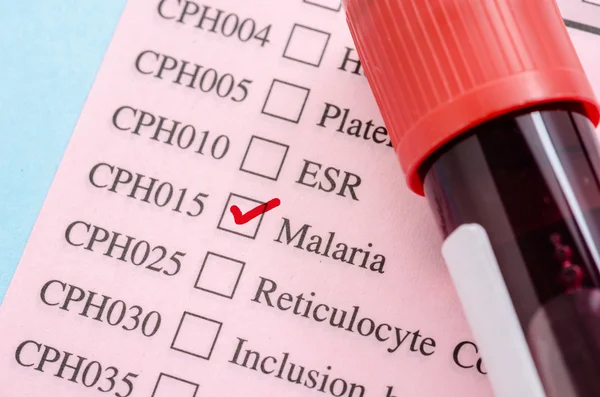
{"points": [[491, 116], [532, 181]]}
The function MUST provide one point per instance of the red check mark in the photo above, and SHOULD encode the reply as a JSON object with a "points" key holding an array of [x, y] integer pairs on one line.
{"points": [[240, 218]]}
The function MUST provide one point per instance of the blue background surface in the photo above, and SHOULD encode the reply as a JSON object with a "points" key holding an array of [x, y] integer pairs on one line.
{"points": [[50, 52]]}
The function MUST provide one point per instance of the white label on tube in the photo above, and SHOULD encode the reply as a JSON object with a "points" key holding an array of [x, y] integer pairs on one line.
{"points": [[489, 310]]}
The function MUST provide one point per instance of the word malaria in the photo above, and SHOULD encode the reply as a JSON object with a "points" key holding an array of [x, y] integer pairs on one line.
{"points": [[340, 251]]}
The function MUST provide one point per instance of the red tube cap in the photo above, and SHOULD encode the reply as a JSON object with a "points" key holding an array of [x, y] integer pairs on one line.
{"points": [[441, 67]]}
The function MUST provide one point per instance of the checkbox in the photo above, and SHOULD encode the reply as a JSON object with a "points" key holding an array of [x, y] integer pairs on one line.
{"points": [[333, 5], [264, 158], [306, 45], [285, 101], [219, 275], [196, 335], [171, 386], [245, 204]]}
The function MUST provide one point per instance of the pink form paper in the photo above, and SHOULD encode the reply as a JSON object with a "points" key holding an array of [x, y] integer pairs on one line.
{"points": [[137, 282]]}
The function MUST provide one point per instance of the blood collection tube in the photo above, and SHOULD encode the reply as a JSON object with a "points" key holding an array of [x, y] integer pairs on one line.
{"points": [[492, 118]]}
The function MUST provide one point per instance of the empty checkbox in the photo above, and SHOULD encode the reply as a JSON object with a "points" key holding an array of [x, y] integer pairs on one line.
{"points": [[219, 275], [285, 101], [306, 45], [171, 386], [264, 158], [245, 204], [196, 335], [333, 5]]}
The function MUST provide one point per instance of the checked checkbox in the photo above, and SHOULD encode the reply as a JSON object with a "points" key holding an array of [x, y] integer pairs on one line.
{"points": [[245, 204]]}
